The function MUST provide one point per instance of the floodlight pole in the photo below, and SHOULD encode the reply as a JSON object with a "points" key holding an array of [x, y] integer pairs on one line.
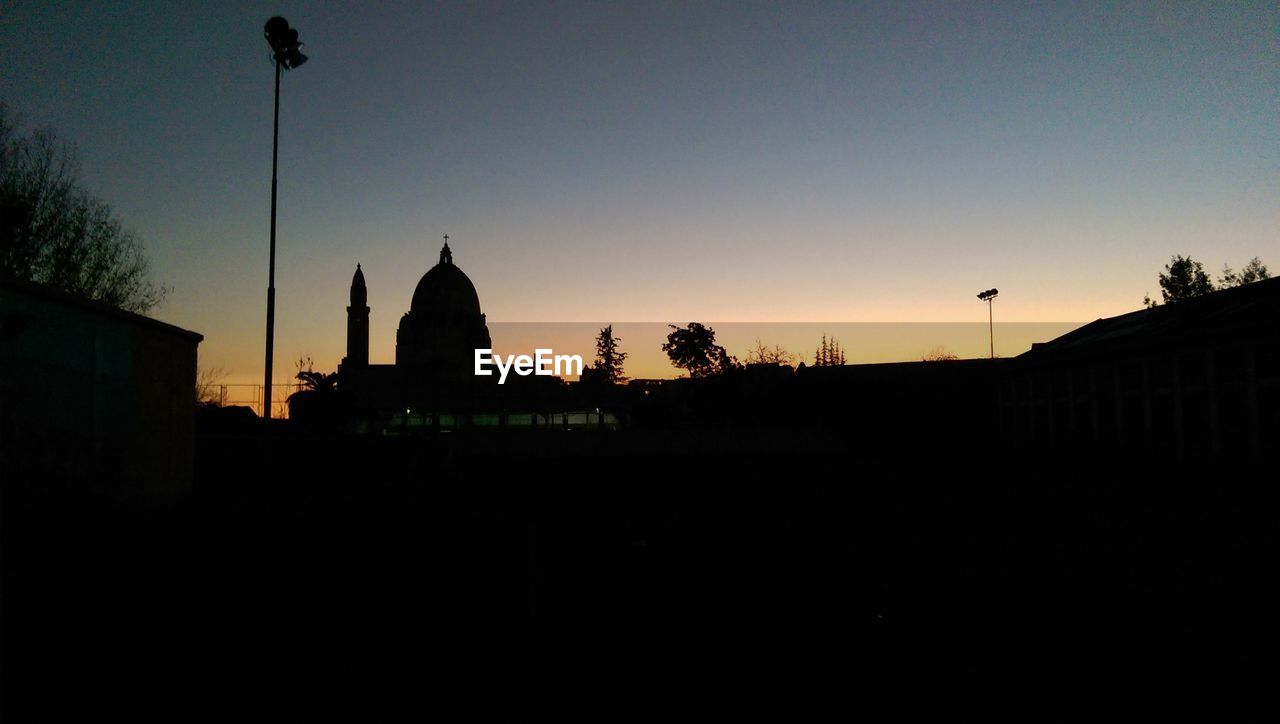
{"points": [[991, 327], [989, 296], [271, 273]]}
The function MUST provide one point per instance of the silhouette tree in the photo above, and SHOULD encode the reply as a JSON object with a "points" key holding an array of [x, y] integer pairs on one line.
{"points": [[320, 383], [938, 354], [53, 231], [1182, 278], [208, 388], [1185, 278], [319, 394], [1254, 271], [609, 358], [829, 353], [763, 355], [694, 349]]}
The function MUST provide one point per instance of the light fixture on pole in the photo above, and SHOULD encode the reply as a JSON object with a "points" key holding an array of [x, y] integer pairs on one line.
{"points": [[987, 296], [286, 50]]}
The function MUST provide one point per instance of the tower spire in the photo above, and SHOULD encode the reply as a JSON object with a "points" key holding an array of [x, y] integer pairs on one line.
{"points": [[357, 324], [446, 256]]}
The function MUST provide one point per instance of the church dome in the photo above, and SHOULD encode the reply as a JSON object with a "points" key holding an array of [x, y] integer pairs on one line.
{"points": [[444, 326], [445, 292]]}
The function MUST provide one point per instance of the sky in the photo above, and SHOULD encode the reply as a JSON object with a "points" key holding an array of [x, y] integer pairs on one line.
{"points": [[665, 162]]}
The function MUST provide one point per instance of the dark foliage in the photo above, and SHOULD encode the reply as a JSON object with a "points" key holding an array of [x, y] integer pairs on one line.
{"points": [[694, 349], [53, 231], [609, 359]]}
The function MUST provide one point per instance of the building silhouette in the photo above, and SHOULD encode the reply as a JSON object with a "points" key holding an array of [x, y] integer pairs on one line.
{"points": [[1192, 379], [357, 323], [94, 399], [432, 384], [444, 325]]}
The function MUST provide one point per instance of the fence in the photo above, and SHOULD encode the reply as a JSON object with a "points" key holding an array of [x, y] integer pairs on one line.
{"points": [[250, 396]]}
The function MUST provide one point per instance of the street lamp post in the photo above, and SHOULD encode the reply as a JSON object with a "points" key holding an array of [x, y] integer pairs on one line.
{"points": [[987, 296], [286, 50]]}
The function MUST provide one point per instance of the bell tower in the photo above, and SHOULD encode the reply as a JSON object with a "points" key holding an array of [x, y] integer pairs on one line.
{"points": [[358, 323]]}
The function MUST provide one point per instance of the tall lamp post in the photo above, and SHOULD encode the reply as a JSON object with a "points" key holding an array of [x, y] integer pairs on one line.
{"points": [[987, 296], [286, 50]]}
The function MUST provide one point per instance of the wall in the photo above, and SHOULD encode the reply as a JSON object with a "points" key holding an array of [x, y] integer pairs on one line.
{"points": [[95, 403]]}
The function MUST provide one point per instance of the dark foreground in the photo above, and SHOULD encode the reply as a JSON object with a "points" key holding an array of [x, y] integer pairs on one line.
{"points": [[378, 576]]}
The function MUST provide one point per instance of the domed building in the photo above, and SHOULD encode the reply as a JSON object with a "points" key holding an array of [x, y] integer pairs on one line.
{"points": [[433, 384], [435, 351], [444, 324]]}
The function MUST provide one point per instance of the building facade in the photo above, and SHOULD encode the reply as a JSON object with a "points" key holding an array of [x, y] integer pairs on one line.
{"points": [[94, 400], [1194, 379]]}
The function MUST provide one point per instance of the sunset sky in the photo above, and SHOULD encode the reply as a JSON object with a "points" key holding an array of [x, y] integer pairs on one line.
{"points": [[665, 162]]}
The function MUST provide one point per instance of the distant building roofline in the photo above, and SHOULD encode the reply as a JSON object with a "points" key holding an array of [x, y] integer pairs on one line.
{"points": [[1220, 314]]}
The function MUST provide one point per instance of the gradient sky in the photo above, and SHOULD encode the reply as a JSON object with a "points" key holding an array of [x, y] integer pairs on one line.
{"points": [[611, 162]]}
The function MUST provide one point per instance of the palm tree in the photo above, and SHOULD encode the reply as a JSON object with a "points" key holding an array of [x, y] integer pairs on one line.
{"points": [[318, 395], [318, 383]]}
